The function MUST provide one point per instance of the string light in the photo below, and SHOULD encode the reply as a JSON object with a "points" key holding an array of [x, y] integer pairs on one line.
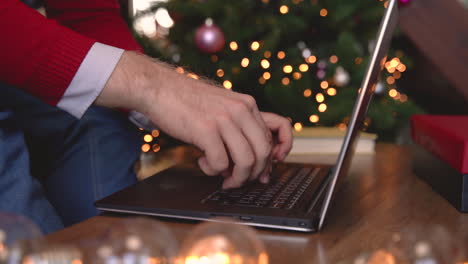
{"points": [[193, 76], [220, 73], [233, 45], [319, 98], [281, 55], [358, 61], [323, 12], [390, 80], [322, 108], [155, 133], [298, 126], [401, 68], [392, 93], [255, 45], [227, 84], [145, 147], [307, 93], [267, 54], [148, 138], [287, 69], [297, 75], [311, 59], [303, 67], [245, 62], [331, 91], [314, 118], [266, 75], [334, 59], [261, 80], [285, 81], [397, 75], [324, 84], [284, 9], [214, 58], [265, 64], [156, 148], [180, 70]]}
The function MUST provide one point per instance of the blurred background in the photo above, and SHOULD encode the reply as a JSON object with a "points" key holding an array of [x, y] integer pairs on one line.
{"points": [[305, 58]]}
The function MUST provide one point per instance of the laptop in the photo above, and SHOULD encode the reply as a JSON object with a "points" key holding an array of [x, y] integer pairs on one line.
{"points": [[298, 196]]}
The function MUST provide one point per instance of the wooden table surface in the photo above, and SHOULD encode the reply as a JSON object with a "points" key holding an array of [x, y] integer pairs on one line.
{"points": [[380, 199]]}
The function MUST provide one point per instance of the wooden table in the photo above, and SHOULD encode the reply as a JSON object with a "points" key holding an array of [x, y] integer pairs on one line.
{"points": [[379, 199]]}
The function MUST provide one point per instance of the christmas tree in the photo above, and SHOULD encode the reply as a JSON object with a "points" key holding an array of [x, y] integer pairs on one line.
{"points": [[304, 59]]}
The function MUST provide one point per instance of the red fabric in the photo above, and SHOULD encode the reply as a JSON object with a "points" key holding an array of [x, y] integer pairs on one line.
{"points": [[444, 136], [42, 55]]}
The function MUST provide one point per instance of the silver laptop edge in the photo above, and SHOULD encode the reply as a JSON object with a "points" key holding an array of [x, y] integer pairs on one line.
{"points": [[374, 68]]}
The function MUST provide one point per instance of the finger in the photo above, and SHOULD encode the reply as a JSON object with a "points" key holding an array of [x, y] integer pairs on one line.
{"points": [[241, 152], [215, 159], [259, 139], [283, 130]]}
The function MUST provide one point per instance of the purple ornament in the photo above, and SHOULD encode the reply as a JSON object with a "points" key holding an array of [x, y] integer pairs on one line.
{"points": [[404, 2], [209, 38]]}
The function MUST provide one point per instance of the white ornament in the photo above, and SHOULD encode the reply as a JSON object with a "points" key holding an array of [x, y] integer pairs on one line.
{"points": [[380, 88], [341, 77]]}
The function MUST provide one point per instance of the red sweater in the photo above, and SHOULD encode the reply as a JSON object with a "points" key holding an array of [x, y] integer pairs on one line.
{"points": [[41, 55]]}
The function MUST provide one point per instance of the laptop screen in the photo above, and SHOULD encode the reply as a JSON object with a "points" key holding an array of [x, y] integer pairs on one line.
{"points": [[368, 85]]}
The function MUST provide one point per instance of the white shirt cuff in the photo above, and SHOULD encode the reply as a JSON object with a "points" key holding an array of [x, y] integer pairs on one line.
{"points": [[90, 79]]}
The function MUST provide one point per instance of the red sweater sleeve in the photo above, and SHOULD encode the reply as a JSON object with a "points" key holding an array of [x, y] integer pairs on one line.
{"points": [[98, 19], [37, 54]]}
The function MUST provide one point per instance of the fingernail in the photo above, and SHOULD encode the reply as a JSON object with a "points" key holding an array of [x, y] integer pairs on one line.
{"points": [[264, 179]]}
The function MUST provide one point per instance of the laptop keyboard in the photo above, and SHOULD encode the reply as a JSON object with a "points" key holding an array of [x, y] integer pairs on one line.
{"points": [[283, 192]]}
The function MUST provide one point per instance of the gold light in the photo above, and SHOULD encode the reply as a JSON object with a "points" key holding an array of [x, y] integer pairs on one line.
{"points": [[245, 62], [397, 75], [145, 147], [180, 70], [390, 80], [156, 148], [255, 45], [331, 91], [267, 54], [265, 64], [311, 59], [322, 108], [324, 84], [261, 80], [298, 126], [214, 58], [284, 9], [297, 75], [314, 118], [266, 75], [233, 45], [358, 61], [281, 55], [334, 59], [303, 67], [220, 73], [323, 12], [287, 69], [148, 138], [285, 81], [155, 133], [193, 76], [227, 84], [319, 98], [401, 67], [307, 93], [392, 93]]}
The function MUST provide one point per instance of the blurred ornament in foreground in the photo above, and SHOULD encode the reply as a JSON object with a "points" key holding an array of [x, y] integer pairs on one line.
{"points": [[222, 243], [209, 38], [341, 77], [15, 233], [136, 240]]}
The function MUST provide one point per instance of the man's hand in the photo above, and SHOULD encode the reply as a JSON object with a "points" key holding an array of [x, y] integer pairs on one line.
{"points": [[236, 138]]}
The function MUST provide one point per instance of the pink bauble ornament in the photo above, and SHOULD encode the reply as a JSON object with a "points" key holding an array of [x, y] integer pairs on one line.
{"points": [[209, 38], [404, 2]]}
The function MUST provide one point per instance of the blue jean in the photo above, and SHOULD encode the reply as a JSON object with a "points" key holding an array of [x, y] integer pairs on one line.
{"points": [[54, 166]]}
